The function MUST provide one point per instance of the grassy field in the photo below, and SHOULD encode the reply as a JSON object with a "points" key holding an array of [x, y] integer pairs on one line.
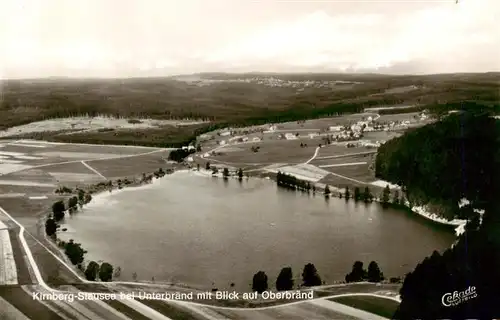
{"points": [[380, 135], [25, 101], [343, 160], [321, 123], [271, 151], [341, 183], [130, 166], [336, 150], [358, 172], [380, 306]]}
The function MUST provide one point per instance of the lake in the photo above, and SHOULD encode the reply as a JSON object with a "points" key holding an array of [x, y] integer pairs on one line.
{"points": [[203, 232]]}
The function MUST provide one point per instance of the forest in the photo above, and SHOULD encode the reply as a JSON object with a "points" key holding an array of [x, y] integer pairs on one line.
{"points": [[457, 157], [229, 103]]}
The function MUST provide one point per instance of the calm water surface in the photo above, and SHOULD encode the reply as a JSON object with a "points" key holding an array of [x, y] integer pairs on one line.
{"points": [[202, 231]]}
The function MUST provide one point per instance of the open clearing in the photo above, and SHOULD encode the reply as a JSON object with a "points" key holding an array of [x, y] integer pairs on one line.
{"points": [[379, 306], [359, 172], [131, 166], [338, 150], [271, 151], [90, 124], [340, 183], [380, 135], [342, 160]]}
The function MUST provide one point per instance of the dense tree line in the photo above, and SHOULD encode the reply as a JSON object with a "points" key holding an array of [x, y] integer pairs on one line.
{"points": [[457, 157], [444, 161]]}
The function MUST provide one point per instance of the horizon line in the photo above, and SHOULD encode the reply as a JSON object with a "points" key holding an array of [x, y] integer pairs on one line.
{"points": [[246, 73]]}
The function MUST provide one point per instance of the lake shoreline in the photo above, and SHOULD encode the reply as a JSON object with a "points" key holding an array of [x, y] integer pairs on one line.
{"points": [[100, 197]]}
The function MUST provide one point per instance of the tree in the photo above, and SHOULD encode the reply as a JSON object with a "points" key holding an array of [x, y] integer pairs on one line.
{"points": [[117, 273], [225, 173], [367, 196], [58, 209], [395, 200], [106, 272], [259, 282], [240, 174], [91, 271], [310, 276], [72, 203], [327, 191], [285, 279], [198, 166], [50, 227], [81, 196], [357, 194], [346, 193], [198, 148], [74, 252], [374, 274], [207, 165], [88, 198], [357, 274], [385, 196]]}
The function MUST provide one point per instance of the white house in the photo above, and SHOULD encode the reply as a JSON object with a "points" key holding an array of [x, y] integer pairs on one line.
{"points": [[256, 139], [245, 139], [191, 148], [290, 136], [225, 133], [313, 135], [189, 159], [222, 142], [336, 128]]}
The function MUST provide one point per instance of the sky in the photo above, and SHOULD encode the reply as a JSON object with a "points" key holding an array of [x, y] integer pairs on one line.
{"points": [[129, 38]]}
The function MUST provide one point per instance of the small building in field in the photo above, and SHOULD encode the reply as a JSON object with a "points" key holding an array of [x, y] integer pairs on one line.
{"points": [[313, 135], [256, 139], [222, 142], [225, 133], [290, 136], [336, 128]]}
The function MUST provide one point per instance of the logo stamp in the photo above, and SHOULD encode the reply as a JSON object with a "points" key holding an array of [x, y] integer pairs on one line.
{"points": [[457, 297]]}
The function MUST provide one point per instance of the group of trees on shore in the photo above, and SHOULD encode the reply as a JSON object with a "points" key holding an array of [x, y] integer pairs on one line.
{"points": [[291, 182], [180, 154], [103, 271], [285, 281], [366, 196], [442, 163], [311, 278], [73, 250], [59, 210], [358, 274]]}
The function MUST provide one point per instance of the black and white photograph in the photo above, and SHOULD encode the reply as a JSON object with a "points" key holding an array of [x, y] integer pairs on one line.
{"points": [[249, 159]]}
